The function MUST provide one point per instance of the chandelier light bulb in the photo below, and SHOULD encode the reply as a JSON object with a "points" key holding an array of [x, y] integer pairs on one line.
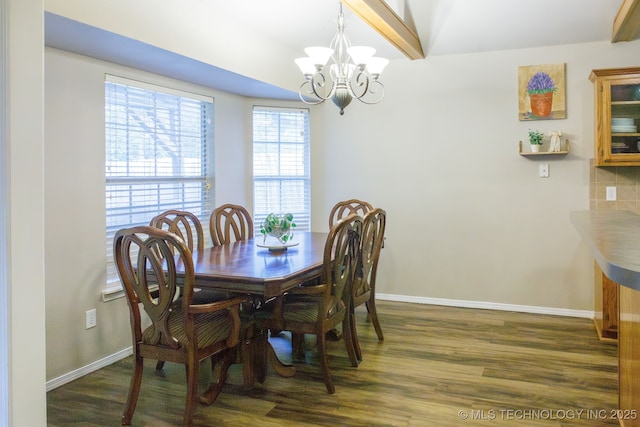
{"points": [[306, 65], [375, 66], [319, 55]]}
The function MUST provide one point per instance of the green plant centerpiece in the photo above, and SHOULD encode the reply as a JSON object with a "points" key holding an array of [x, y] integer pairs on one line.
{"points": [[278, 226], [535, 137]]}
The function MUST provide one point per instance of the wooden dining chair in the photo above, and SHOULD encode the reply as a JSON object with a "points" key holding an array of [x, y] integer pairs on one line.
{"points": [[316, 309], [363, 290], [347, 207], [189, 228], [340, 210], [183, 223], [229, 223], [148, 259]]}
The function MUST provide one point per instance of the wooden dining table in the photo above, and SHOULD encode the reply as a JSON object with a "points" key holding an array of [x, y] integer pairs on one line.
{"points": [[247, 267]]}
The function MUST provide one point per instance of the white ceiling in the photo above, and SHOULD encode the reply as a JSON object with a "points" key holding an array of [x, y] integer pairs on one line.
{"points": [[444, 27]]}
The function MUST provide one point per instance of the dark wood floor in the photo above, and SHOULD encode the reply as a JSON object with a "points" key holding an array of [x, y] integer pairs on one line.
{"points": [[438, 366]]}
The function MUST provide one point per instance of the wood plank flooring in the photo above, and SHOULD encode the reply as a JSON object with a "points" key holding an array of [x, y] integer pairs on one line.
{"points": [[438, 366]]}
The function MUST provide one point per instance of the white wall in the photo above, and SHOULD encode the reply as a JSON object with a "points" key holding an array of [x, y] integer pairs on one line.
{"points": [[468, 218], [23, 47]]}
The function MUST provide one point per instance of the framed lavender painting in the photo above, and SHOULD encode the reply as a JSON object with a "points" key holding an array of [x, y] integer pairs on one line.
{"points": [[541, 92]]}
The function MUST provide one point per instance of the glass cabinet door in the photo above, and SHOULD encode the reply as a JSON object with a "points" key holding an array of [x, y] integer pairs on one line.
{"points": [[621, 130]]}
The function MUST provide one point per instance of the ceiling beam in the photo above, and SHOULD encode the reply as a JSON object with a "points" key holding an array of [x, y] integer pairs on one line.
{"points": [[379, 15], [626, 25]]}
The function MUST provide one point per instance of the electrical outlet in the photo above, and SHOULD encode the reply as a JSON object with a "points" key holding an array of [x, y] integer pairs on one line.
{"points": [[611, 194], [90, 318], [543, 170]]}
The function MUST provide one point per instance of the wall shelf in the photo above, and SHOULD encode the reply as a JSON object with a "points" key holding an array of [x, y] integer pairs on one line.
{"points": [[544, 153]]}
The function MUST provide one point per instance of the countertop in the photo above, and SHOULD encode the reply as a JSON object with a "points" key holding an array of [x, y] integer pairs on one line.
{"points": [[614, 237]]}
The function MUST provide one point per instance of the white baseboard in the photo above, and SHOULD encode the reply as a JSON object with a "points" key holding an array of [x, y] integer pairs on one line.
{"points": [[73, 375], [98, 364], [488, 305]]}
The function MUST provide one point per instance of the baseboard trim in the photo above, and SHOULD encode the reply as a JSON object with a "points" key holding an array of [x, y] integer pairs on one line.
{"points": [[488, 305], [94, 366], [106, 361]]}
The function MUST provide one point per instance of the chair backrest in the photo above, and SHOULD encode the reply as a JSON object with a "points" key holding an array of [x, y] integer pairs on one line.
{"points": [[341, 255], [185, 224], [347, 207], [373, 227], [155, 285], [230, 223]]}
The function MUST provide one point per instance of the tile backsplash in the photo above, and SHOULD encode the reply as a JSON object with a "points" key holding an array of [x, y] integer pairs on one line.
{"points": [[626, 179]]}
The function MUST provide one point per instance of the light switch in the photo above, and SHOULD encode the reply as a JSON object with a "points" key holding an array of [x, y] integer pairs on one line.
{"points": [[543, 170], [611, 194]]}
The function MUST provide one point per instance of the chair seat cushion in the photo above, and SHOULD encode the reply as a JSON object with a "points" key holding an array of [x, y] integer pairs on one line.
{"points": [[302, 308], [210, 327]]}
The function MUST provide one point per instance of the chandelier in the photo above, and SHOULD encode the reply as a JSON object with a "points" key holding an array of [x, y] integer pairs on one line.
{"points": [[352, 74]]}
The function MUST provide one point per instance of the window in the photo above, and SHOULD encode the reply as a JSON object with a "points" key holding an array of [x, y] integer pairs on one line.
{"points": [[157, 142], [281, 178]]}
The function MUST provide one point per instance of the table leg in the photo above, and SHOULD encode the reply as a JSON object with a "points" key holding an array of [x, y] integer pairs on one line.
{"points": [[265, 354], [281, 369], [247, 358]]}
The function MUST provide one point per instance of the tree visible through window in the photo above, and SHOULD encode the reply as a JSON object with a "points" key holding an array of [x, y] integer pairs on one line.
{"points": [[157, 142], [281, 177]]}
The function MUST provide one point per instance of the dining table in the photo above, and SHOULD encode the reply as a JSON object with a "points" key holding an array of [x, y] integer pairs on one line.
{"points": [[264, 270]]}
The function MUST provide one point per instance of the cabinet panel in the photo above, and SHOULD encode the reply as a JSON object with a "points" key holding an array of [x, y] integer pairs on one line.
{"points": [[605, 305], [629, 357]]}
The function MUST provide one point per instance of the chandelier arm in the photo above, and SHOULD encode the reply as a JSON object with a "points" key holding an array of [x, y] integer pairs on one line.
{"points": [[307, 101], [312, 91], [374, 88], [319, 80], [359, 85]]}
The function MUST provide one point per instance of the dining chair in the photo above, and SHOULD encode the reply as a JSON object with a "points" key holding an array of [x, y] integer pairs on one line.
{"points": [[229, 223], [338, 211], [189, 228], [148, 258], [316, 309], [363, 290], [347, 207], [183, 223]]}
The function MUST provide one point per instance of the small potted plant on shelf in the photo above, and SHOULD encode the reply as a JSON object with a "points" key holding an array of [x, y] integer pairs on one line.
{"points": [[541, 88], [278, 226], [535, 139]]}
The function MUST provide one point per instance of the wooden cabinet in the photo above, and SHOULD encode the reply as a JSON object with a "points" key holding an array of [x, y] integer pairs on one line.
{"points": [[605, 304], [617, 116], [629, 358]]}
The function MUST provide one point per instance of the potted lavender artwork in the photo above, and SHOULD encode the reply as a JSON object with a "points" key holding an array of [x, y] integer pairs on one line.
{"points": [[541, 88]]}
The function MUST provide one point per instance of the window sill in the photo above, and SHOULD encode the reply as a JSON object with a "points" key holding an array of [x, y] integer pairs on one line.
{"points": [[112, 292]]}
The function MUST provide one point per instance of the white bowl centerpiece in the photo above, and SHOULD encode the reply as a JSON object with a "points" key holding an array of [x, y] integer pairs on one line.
{"points": [[278, 226]]}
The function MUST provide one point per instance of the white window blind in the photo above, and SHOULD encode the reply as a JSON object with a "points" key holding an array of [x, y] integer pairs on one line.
{"points": [[157, 142], [281, 176]]}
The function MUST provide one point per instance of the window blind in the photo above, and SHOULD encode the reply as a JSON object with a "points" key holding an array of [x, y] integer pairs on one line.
{"points": [[281, 175], [157, 142]]}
